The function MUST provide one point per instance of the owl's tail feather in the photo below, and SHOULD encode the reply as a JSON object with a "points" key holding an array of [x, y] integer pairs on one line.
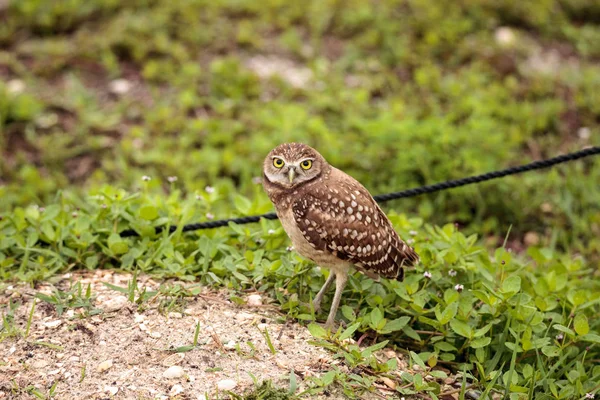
{"points": [[405, 257]]}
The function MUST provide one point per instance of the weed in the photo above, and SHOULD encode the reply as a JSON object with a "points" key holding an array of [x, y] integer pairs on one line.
{"points": [[73, 298]]}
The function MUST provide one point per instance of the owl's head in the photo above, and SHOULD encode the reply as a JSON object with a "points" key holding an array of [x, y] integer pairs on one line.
{"points": [[291, 164]]}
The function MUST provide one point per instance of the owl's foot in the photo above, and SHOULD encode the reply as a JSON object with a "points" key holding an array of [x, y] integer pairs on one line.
{"points": [[316, 305], [333, 326]]}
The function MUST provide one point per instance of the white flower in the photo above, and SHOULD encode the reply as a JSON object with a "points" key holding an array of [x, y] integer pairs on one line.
{"points": [[209, 189], [146, 178], [290, 248], [459, 287], [589, 395], [504, 36], [271, 231], [452, 272], [427, 274], [103, 205], [209, 216], [198, 197], [172, 179], [413, 233], [120, 86], [15, 86], [559, 336], [410, 241]]}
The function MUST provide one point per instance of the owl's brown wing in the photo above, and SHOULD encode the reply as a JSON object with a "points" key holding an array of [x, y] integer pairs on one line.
{"points": [[345, 220]]}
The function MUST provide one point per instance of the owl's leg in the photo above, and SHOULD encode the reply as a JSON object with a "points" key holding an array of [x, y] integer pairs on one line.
{"points": [[340, 282], [319, 297]]}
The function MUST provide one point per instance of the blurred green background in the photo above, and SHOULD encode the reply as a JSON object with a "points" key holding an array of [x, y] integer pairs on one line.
{"points": [[396, 93]]}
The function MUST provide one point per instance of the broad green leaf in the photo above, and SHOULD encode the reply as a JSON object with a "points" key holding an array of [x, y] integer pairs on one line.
{"points": [[482, 331], [448, 313], [461, 328], [91, 262], [438, 374], [376, 316], [32, 239], [450, 296], [551, 351], [348, 312], [415, 357], [444, 346], [411, 333], [590, 337], [317, 330], [349, 331], [564, 329], [117, 245], [527, 371], [513, 347], [512, 284], [48, 231], [397, 324], [580, 323], [328, 378], [242, 204], [148, 213], [481, 342]]}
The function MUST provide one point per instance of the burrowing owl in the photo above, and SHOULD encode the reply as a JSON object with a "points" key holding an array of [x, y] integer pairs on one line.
{"points": [[332, 219]]}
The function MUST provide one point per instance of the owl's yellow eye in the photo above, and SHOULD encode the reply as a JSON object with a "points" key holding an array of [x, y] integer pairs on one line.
{"points": [[306, 164], [278, 162]]}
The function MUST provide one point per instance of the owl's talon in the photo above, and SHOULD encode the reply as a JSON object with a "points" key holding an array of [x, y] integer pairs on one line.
{"points": [[316, 305]]}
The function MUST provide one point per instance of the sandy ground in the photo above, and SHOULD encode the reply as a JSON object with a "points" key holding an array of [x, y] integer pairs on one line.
{"points": [[123, 352]]}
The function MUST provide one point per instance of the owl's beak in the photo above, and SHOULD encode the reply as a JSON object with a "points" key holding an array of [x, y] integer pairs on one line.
{"points": [[291, 174]]}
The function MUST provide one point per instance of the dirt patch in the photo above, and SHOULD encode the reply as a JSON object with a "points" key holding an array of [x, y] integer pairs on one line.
{"points": [[125, 352]]}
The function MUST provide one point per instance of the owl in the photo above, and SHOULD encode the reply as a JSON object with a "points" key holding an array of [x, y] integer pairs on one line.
{"points": [[332, 220]]}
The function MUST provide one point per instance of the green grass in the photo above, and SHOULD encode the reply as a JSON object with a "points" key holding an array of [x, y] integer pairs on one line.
{"points": [[399, 94]]}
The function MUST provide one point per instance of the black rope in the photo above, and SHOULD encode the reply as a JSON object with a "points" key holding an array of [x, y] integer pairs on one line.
{"points": [[541, 164]]}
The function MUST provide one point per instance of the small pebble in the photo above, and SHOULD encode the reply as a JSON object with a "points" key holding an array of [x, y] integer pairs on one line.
{"points": [[175, 390], [230, 345], [111, 389], [173, 314], [115, 303], [173, 359], [255, 300], [262, 327], [244, 316], [173, 372], [53, 324], [388, 382], [226, 384], [105, 365], [39, 364]]}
